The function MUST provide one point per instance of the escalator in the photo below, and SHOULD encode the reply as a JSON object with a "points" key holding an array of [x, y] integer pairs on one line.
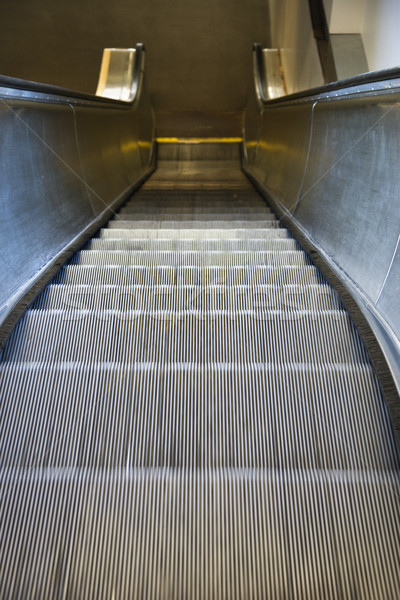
{"points": [[188, 411]]}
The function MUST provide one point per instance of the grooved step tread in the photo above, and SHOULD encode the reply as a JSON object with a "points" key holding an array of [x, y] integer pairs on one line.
{"points": [[212, 297], [187, 411], [188, 336], [198, 218], [192, 202], [120, 223], [205, 275], [164, 533], [274, 244], [216, 425], [272, 232], [211, 211], [190, 258]]}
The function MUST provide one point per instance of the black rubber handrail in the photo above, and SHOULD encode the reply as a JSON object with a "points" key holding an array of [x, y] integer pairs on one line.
{"points": [[364, 79], [22, 88]]}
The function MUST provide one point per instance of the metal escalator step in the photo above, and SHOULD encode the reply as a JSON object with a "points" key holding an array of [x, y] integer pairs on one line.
{"points": [[216, 416], [195, 181], [190, 258], [187, 411], [189, 204], [191, 275], [190, 336], [192, 199], [203, 245], [212, 210], [273, 231], [213, 297], [195, 217], [193, 194], [154, 224], [232, 533]]}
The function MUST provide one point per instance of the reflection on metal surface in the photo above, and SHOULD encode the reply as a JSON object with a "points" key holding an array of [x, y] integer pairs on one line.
{"points": [[273, 75], [116, 79], [331, 159]]}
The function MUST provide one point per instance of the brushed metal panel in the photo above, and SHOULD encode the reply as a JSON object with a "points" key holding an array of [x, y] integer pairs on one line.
{"points": [[349, 202], [281, 157], [347, 205], [273, 75], [42, 197], [64, 160], [111, 152], [388, 303], [116, 74], [251, 130], [115, 153]]}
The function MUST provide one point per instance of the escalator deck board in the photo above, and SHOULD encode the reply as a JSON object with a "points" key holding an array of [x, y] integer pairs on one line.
{"points": [[187, 411]]}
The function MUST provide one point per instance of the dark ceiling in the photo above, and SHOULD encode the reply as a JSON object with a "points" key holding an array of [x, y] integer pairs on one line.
{"points": [[198, 51]]}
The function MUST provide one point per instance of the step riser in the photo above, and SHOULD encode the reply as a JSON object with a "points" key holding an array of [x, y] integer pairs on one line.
{"points": [[199, 216], [290, 298], [197, 224], [201, 276], [193, 234], [144, 258], [273, 245], [212, 210]]}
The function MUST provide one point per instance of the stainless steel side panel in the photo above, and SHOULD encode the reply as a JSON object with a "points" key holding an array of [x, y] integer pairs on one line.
{"points": [[62, 162], [388, 303], [332, 162], [43, 195], [350, 196], [283, 149], [112, 152]]}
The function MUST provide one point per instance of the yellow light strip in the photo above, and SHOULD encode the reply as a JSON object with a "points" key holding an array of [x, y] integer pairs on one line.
{"points": [[212, 140]]}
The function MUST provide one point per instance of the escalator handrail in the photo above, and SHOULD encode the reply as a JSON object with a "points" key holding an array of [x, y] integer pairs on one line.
{"points": [[367, 81], [32, 90]]}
